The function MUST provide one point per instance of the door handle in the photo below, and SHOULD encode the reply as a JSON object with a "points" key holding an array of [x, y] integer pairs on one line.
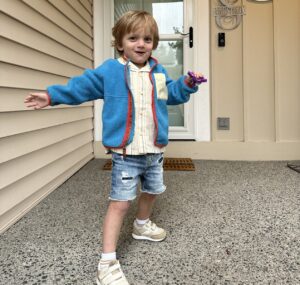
{"points": [[191, 36]]}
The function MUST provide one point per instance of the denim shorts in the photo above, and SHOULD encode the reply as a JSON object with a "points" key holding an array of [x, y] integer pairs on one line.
{"points": [[129, 170]]}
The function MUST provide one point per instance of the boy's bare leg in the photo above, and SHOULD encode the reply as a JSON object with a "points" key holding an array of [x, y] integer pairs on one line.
{"points": [[145, 205], [112, 224]]}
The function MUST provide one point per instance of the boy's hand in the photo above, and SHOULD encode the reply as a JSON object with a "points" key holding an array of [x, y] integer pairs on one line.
{"points": [[37, 100], [196, 78]]}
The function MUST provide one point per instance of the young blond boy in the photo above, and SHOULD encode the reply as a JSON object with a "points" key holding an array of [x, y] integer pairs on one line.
{"points": [[136, 91]]}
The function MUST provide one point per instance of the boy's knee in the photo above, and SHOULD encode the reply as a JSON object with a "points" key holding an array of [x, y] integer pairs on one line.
{"points": [[147, 196], [120, 206]]}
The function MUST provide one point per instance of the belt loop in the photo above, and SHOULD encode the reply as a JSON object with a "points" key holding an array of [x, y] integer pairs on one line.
{"points": [[124, 152]]}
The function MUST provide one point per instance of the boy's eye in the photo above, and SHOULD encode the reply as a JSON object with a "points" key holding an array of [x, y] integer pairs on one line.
{"points": [[132, 38], [148, 39]]}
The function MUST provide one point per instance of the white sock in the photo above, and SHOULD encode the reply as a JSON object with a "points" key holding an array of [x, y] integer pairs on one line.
{"points": [[106, 258], [141, 222]]}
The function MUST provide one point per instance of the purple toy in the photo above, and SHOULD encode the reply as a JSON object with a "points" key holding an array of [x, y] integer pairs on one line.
{"points": [[195, 79]]}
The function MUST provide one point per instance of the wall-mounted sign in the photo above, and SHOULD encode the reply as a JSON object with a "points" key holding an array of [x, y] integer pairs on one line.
{"points": [[227, 15]]}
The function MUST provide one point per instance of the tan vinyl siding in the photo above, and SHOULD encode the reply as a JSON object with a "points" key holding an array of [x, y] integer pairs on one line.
{"points": [[17, 54], [33, 188], [87, 5], [72, 15], [42, 43], [55, 16], [16, 31], [33, 19]]}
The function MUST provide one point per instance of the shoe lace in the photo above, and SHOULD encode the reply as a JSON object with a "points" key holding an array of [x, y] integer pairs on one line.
{"points": [[152, 226]]}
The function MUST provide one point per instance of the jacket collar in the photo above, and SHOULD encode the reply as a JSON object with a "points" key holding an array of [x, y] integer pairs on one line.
{"points": [[152, 61]]}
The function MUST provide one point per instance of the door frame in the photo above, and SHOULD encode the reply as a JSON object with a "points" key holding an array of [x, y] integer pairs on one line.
{"points": [[199, 119]]}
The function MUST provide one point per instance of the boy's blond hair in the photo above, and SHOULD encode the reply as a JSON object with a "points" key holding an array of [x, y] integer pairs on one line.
{"points": [[132, 21]]}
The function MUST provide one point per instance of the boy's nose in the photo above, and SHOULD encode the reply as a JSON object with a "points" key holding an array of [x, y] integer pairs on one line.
{"points": [[141, 42]]}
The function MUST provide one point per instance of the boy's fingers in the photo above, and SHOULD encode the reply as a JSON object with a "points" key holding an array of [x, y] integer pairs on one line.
{"points": [[30, 97], [32, 104], [198, 74], [27, 99], [35, 100]]}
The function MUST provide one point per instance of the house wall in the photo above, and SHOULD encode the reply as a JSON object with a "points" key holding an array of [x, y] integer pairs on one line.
{"points": [[42, 43], [255, 77], [255, 82]]}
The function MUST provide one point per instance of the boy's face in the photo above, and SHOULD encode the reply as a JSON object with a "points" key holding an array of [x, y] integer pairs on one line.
{"points": [[137, 46]]}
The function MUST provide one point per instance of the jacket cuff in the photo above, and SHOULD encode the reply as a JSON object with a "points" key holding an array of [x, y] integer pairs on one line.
{"points": [[188, 82]]}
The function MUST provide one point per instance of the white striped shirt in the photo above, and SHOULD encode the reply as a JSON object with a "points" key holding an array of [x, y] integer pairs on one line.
{"points": [[141, 87]]}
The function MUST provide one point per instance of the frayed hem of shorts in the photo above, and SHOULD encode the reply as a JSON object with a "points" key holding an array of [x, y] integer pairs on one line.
{"points": [[121, 200], [145, 191]]}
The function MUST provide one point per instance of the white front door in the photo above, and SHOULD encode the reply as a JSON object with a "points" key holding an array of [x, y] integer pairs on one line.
{"points": [[174, 18]]}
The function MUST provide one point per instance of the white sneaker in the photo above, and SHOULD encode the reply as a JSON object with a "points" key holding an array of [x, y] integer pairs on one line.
{"points": [[148, 231], [111, 274]]}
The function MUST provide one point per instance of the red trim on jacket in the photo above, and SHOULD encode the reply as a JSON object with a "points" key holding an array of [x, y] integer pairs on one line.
{"points": [[129, 112], [128, 121]]}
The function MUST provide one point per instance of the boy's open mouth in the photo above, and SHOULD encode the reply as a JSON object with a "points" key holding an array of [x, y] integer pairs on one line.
{"points": [[140, 52]]}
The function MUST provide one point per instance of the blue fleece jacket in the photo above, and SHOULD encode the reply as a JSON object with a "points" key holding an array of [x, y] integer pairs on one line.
{"points": [[111, 82]]}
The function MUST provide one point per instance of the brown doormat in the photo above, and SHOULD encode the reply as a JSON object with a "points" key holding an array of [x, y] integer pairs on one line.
{"points": [[179, 164]]}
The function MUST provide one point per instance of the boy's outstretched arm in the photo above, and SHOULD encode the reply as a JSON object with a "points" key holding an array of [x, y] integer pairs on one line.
{"points": [[37, 100], [179, 90]]}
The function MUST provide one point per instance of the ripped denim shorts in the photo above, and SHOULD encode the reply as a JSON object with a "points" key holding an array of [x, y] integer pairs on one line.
{"points": [[129, 170]]}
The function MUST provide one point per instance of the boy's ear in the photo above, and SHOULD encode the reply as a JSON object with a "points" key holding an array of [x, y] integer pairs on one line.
{"points": [[120, 48]]}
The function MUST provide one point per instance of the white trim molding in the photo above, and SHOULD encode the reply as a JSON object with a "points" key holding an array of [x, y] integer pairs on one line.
{"points": [[202, 102]]}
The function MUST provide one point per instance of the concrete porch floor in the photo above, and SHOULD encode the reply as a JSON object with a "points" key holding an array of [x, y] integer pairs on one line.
{"points": [[227, 223]]}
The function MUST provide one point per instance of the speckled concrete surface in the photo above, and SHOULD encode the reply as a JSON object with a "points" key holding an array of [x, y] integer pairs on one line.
{"points": [[227, 223]]}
